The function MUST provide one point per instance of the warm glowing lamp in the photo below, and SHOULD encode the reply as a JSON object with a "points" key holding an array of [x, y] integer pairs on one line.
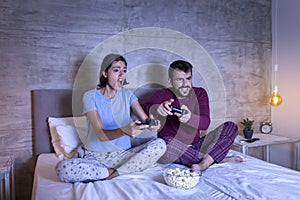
{"points": [[275, 99]]}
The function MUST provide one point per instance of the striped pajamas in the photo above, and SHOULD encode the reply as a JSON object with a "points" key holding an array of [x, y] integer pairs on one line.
{"points": [[216, 143]]}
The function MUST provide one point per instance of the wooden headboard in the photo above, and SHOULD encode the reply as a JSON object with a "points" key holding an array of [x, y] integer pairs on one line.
{"points": [[58, 103]]}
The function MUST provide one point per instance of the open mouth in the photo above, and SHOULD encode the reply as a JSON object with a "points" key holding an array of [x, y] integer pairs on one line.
{"points": [[120, 81], [185, 89]]}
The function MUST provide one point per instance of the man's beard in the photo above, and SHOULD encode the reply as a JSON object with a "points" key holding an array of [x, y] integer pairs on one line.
{"points": [[179, 94]]}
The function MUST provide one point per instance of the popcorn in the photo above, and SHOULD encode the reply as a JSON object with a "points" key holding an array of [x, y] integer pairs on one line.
{"points": [[181, 178]]}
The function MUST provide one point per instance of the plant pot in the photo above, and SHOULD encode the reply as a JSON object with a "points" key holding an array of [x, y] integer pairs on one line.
{"points": [[248, 134]]}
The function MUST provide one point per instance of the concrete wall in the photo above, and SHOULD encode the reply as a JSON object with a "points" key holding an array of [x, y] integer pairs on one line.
{"points": [[43, 45]]}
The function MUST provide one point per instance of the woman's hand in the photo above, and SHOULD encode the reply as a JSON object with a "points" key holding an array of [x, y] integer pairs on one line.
{"points": [[134, 130], [156, 127]]}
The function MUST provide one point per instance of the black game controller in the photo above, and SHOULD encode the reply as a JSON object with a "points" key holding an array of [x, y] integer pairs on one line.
{"points": [[148, 121], [178, 110]]}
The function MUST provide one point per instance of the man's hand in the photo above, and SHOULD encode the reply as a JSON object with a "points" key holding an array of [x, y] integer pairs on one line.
{"points": [[164, 108], [184, 118]]}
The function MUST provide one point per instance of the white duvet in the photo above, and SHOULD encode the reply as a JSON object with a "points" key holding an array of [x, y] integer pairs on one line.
{"points": [[252, 179]]}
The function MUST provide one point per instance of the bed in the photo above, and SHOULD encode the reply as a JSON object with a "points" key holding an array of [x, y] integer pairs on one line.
{"points": [[252, 179]]}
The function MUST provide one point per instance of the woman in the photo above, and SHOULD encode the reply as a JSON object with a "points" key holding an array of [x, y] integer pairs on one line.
{"points": [[108, 152]]}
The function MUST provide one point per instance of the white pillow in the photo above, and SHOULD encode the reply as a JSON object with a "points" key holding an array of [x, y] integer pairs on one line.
{"points": [[67, 134], [69, 140]]}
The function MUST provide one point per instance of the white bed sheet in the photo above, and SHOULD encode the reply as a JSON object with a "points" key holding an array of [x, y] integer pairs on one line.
{"points": [[252, 179]]}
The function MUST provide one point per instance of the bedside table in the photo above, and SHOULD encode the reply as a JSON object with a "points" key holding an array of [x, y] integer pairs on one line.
{"points": [[266, 140], [7, 177]]}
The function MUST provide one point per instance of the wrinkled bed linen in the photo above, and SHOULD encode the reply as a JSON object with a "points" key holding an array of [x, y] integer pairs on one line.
{"points": [[252, 179]]}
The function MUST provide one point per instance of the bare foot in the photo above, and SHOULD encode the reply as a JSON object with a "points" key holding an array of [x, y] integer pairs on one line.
{"points": [[204, 164], [234, 159], [112, 174]]}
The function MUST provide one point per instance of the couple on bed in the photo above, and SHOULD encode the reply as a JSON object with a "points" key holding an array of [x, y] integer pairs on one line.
{"points": [[108, 152]]}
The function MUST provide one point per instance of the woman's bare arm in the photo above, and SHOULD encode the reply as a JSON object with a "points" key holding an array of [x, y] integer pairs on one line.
{"points": [[105, 135]]}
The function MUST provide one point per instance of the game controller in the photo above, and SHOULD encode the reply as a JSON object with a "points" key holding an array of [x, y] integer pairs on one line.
{"points": [[178, 110], [148, 121]]}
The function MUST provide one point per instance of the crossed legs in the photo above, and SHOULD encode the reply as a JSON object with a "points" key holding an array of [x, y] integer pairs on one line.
{"points": [[210, 149]]}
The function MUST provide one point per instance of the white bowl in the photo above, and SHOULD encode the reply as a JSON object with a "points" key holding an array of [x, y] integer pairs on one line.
{"points": [[183, 178]]}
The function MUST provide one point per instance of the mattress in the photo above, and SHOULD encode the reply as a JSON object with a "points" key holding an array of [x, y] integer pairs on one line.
{"points": [[252, 179]]}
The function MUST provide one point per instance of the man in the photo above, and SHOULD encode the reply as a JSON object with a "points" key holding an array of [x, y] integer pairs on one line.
{"points": [[181, 130]]}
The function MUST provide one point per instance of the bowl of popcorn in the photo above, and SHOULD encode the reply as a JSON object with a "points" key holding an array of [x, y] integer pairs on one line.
{"points": [[183, 178]]}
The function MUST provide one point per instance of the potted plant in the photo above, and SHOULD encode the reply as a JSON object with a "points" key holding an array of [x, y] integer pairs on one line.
{"points": [[248, 128]]}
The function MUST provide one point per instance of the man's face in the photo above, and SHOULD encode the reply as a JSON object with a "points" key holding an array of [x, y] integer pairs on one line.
{"points": [[181, 83]]}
